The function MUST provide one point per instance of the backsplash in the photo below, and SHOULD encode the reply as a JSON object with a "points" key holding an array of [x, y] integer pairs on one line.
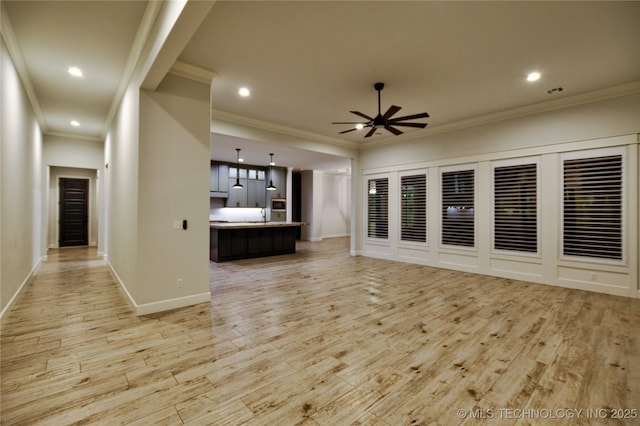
{"points": [[217, 211]]}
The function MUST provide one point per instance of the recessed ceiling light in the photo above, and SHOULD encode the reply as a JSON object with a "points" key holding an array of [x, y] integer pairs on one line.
{"points": [[359, 126], [244, 92], [75, 71], [75, 123], [533, 76], [240, 160]]}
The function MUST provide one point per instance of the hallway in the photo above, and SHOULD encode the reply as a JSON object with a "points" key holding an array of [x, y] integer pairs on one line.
{"points": [[315, 338]]}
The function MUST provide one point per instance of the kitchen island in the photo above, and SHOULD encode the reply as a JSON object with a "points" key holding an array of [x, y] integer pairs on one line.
{"points": [[244, 240]]}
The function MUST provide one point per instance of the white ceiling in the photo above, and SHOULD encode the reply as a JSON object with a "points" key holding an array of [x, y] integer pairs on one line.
{"points": [[96, 36], [309, 63]]}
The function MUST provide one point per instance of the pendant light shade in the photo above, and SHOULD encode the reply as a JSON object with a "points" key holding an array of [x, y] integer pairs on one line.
{"points": [[237, 185], [271, 163]]}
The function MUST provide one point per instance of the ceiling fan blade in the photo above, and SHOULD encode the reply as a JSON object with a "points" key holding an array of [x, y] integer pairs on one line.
{"points": [[421, 125], [347, 131], [361, 115], [371, 132], [411, 117], [392, 110], [347, 122], [393, 130]]}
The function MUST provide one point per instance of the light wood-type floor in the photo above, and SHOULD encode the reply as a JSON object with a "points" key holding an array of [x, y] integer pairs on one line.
{"points": [[319, 338]]}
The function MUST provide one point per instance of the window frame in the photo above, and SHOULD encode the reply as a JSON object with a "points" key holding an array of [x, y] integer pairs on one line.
{"points": [[513, 163], [473, 167], [367, 181], [624, 212], [406, 173]]}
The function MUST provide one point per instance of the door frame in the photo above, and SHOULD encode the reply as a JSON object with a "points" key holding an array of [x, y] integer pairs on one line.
{"points": [[56, 210]]}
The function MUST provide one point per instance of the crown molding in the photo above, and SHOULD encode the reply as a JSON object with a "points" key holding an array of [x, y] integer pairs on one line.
{"points": [[192, 72], [278, 128], [74, 136], [15, 52], [555, 104], [551, 105]]}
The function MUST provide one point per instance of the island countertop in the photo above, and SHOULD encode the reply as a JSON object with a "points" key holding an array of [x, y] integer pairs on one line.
{"points": [[244, 225]]}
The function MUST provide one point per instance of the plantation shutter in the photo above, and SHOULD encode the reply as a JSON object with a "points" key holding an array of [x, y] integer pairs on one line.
{"points": [[592, 210], [515, 208], [458, 223], [378, 208], [413, 204]]}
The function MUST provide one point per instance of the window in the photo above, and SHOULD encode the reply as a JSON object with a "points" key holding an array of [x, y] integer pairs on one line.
{"points": [[458, 222], [413, 204], [378, 208], [515, 208], [592, 208]]}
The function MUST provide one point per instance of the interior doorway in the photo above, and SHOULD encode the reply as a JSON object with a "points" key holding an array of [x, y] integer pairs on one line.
{"points": [[74, 212]]}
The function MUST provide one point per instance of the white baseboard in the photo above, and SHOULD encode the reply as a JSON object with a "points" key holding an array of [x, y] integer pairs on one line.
{"points": [[167, 305], [18, 292], [161, 305], [335, 236]]}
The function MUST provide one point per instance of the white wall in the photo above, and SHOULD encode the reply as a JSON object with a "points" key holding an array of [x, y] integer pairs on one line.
{"points": [[611, 117], [21, 184], [64, 151], [174, 185], [121, 190], [336, 205], [543, 137], [155, 150], [76, 158], [311, 205]]}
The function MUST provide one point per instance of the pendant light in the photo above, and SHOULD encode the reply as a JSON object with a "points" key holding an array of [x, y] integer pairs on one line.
{"points": [[271, 163], [237, 185]]}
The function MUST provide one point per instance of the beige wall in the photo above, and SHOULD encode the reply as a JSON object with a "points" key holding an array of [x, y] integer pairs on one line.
{"points": [[121, 193], [21, 184], [173, 186]]}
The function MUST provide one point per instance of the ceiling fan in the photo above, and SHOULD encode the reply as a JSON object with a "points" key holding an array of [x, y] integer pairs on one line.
{"points": [[385, 120]]}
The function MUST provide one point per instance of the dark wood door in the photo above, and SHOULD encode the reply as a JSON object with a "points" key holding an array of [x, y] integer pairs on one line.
{"points": [[74, 212]]}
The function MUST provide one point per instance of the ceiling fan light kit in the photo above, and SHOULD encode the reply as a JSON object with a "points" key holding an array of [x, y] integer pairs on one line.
{"points": [[384, 120]]}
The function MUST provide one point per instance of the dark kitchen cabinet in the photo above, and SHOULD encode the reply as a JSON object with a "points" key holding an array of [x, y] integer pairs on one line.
{"points": [[254, 241], [284, 239], [278, 176], [237, 197], [260, 241], [256, 193], [229, 243], [253, 191], [218, 180]]}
